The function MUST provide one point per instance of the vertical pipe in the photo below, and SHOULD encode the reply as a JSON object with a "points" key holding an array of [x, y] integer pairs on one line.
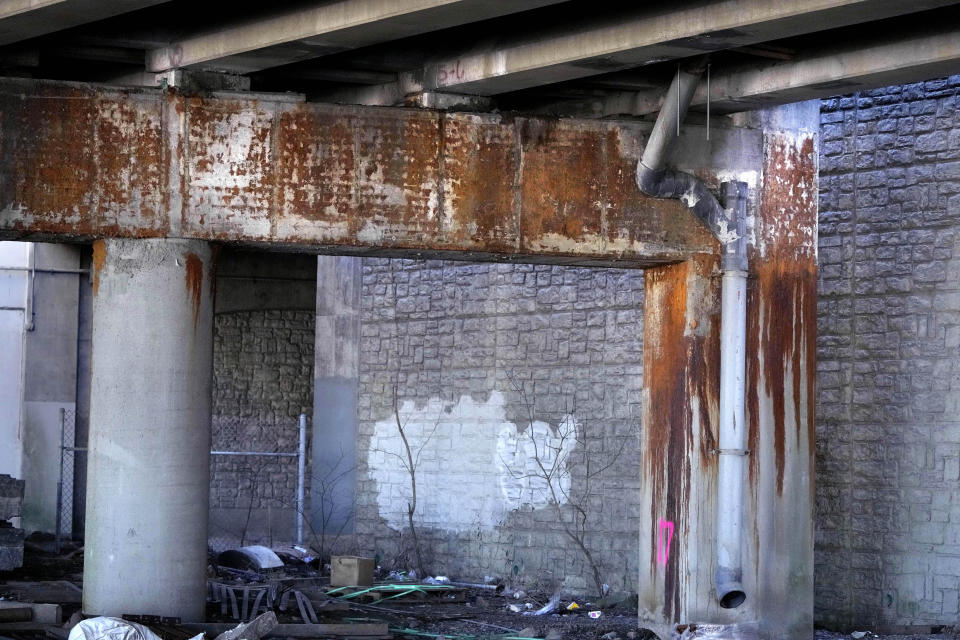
{"points": [[732, 440], [60, 478], [28, 292], [301, 476]]}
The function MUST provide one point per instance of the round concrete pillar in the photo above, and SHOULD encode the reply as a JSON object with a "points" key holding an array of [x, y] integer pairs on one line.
{"points": [[149, 444]]}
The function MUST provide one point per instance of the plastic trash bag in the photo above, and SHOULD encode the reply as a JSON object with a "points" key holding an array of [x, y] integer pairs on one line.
{"points": [[104, 628]]}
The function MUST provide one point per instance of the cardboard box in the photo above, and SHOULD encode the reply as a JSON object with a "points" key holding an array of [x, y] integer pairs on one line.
{"points": [[350, 571]]}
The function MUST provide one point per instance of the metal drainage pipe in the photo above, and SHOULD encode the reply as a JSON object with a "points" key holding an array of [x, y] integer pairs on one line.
{"points": [[728, 224]]}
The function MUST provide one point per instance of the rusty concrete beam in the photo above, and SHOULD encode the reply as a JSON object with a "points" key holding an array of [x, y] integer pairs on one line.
{"points": [[641, 37], [25, 19], [81, 162], [304, 33]]}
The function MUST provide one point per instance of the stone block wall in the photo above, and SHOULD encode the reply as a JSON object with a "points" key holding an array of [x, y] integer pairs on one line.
{"points": [[263, 381], [494, 366], [888, 410]]}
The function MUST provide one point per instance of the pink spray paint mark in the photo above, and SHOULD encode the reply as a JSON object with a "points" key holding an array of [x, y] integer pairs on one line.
{"points": [[663, 551]]}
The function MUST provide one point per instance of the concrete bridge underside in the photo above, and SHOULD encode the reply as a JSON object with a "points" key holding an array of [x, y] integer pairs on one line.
{"points": [[159, 179]]}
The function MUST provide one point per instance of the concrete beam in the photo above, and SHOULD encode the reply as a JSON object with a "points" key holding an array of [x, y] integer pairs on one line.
{"points": [[81, 162], [897, 59], [622, 42], [900, 59], [25, 19], [324, 29]]}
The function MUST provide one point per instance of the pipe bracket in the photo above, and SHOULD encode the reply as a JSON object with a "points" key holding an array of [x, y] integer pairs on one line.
{"points": [[731, 452]]}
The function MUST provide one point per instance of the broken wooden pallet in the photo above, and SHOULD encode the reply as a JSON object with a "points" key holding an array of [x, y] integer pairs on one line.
{"points": [[401, 593]]}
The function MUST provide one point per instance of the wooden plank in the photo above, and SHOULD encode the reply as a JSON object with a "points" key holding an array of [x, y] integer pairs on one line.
{"points": [[53, 630]]}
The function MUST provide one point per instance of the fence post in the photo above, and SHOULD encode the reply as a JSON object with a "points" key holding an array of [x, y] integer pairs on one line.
{"points": [[60, 478], [301, 476]]}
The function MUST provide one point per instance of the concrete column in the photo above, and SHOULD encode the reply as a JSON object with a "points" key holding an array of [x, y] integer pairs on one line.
{"points": [[149, 459], [678, 452], [336, 381], [681, 381]]}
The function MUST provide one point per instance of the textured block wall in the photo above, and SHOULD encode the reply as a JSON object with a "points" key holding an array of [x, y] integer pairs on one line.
{"points": [[263, 381], [888, 410], [459, 341]]}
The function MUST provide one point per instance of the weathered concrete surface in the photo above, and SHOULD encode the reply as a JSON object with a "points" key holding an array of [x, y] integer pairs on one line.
{"points": [[335, 395], [681, 360], [149, 442], [313, 31], [50, 379], [82, 162]]}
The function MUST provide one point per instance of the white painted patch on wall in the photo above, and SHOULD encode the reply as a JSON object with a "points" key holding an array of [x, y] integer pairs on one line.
{"points": [[466, 479]]}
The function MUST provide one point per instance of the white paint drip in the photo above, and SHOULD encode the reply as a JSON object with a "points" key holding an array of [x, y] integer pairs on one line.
{"points": [[466, 480], [689, 199], [750, 177], [725, 234]]}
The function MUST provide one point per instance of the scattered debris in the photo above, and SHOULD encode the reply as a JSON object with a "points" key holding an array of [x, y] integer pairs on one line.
{"points": [[550, 607], [252, 558], [38, 612], [104, 628], [400, 593], [346, 571], [253, 630]]}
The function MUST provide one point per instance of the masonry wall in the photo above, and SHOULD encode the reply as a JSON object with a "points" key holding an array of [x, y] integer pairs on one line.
{"points": [[888, 425], [480, 357], [263, 380]]}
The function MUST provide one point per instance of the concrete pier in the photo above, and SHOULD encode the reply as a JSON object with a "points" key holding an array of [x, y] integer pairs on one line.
{"points": [[335, 387], [147, 496]]}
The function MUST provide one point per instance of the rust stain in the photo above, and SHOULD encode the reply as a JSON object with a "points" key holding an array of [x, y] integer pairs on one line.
{"points": [[99, 259], [315, 167], [667, 424], [481, 167], [562, 182], [193, 275], [782, 320], [633, 216], [681, 363], [229, 165], [782, 301], [92, 163]]}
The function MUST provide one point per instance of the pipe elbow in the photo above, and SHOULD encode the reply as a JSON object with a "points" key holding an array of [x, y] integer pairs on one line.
{"points": [[649, 180], [729, 587]]}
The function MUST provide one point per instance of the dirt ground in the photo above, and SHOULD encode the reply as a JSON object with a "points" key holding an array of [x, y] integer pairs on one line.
{"points": [[487, 616], [481, 614]]}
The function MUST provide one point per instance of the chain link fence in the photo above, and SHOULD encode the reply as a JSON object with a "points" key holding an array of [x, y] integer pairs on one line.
{"points": [[266, 507], [250, 470], [65, 485]]}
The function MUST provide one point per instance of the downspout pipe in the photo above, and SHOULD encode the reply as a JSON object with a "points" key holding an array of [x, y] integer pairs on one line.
{"points": [[733, 433], [727, 222]]}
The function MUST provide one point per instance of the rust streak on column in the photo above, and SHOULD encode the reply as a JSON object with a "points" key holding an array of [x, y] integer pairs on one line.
{"points": [[193, 276], [681, 382], [781, 374]]}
